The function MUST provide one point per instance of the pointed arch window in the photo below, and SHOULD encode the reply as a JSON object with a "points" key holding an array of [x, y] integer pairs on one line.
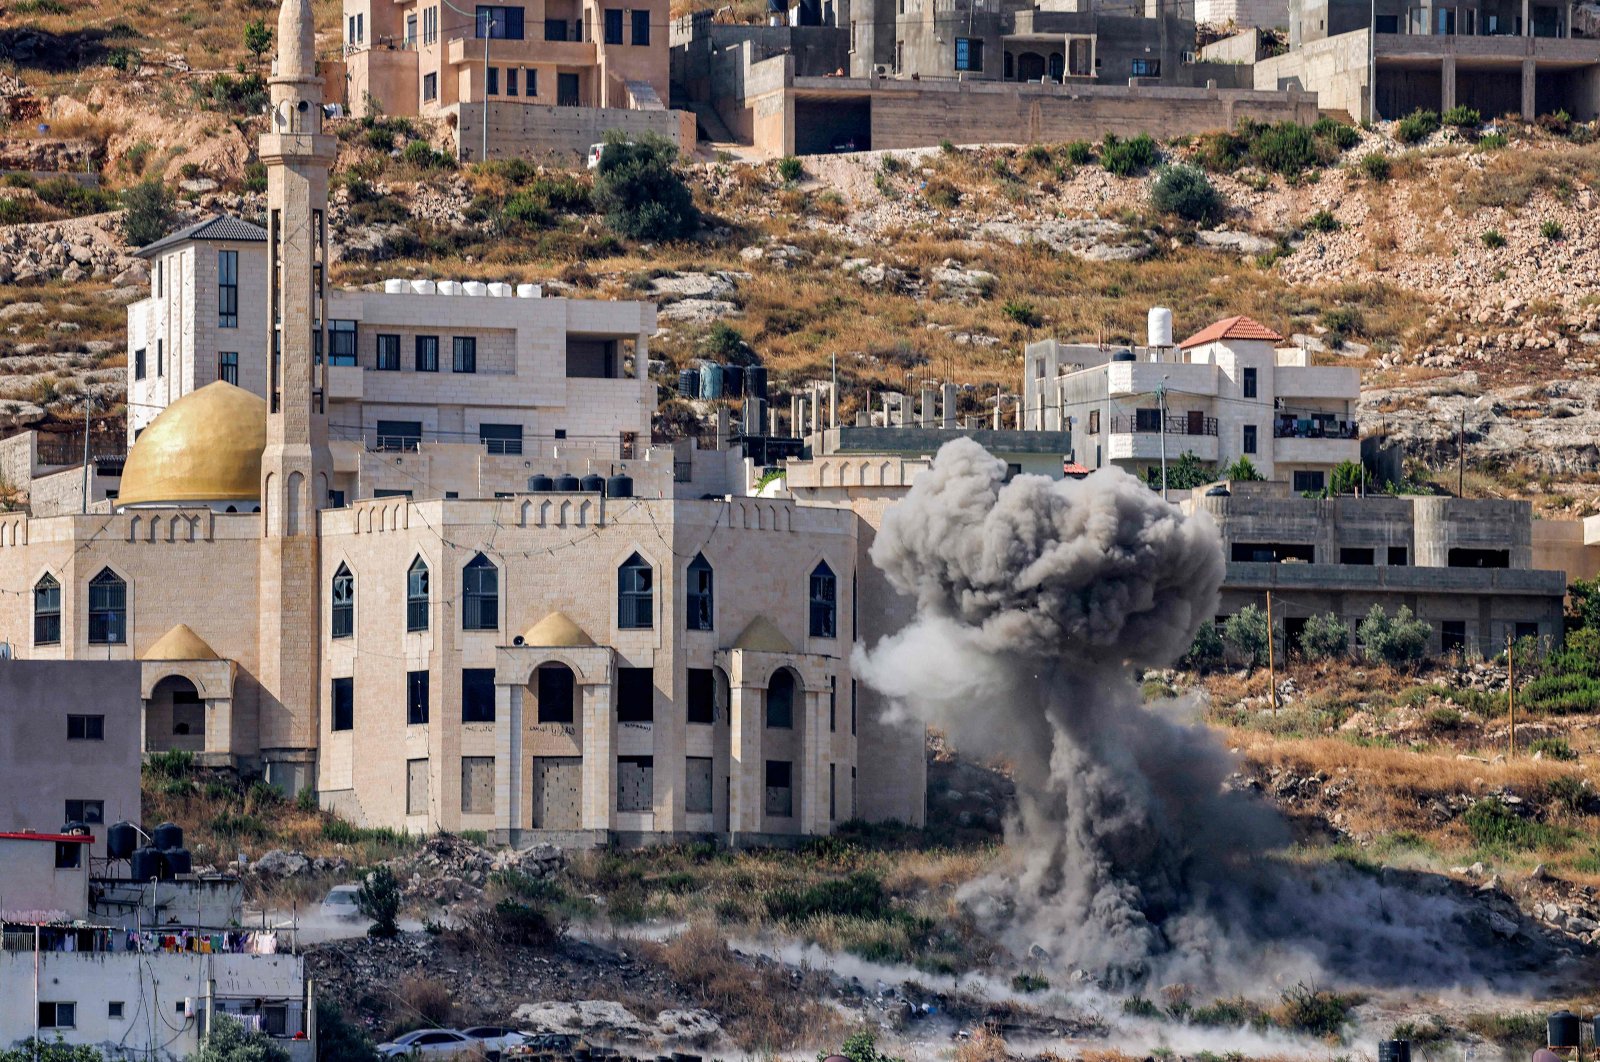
{"points": [[417, 596], [700, 594], [635, 595], [344, 603], [47, 611], [108, 609], [824, 602], [480, 595]]}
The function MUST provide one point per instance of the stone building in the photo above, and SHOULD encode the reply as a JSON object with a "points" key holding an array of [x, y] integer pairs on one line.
{"points": [[1226, 392], [580, 636]]}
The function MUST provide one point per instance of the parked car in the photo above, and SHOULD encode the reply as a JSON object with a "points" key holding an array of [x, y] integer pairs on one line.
{"points": [[428, 1043], [495, 1039], [595, 151], [542, 1044], [341, 903]]}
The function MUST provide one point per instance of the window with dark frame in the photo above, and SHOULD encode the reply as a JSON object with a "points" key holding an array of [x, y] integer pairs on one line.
{"points": [[228, 367], [388, 353], [969, 54], [480, 595], [108, 609], [416, 698], [427, 353], [613, 27], [477, 695], [635, 595], [69, 855], [88, 812], [138, 363], [499, 23], [1249, 445], [227, 289], [47, 611], [780, 790], [636, 695], [464, 354], [86, 728], [699, 595], [1094, 422], [342, 343], [501, 438], [417, 593], [511, 81], [343, 714], [1250, 383], [640, 36], [824, 593], [556, 689], [493, 84], [702, 696], [430, 86], [343, 603], [58, 1015], [780, 700]]}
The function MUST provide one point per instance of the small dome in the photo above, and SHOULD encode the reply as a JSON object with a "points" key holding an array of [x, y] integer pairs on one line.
{"points": [[205, 447], [557, 631], [763, 636], [180, 643]]}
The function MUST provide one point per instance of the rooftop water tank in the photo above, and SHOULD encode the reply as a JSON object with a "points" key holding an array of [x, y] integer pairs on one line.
{"points": [[541, 484], [146, 864], [710, 380], [423, 287], [689, 383], [619, 487], [1123, 355], [476, 288], [529, 291], [167, 835], [500, 291], [592, 484], [178, 862], [121, 839], [1563, 1028], [1160, 327], [1394, 1051], [755, 381], [567, 483], [396, 286]]}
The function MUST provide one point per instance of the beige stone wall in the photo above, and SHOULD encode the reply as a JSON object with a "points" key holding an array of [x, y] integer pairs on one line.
{"points": [[564, 134], [1334, 68]]}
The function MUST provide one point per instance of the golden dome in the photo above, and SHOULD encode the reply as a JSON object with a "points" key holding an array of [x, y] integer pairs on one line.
{"points": [[763, 636], [180, 643], [205, 447], [557, 631]]}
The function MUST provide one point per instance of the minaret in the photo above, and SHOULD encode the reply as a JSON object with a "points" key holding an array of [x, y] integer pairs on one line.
{"points": [[295, 466]]}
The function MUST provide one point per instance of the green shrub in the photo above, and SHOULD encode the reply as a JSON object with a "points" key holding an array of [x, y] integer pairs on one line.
{"points": [[124, 59], [1335, 132], [524, 209], [378, 898], [1030, 983], [1307, 1010], [18, 211], [1037, 154], [66, 194], [1462, 117], [891, 164], [1416, 126], [305, 801], [1140, 1007], [1127, 157], [789, 169], [1492, 239], [947, 147], [1285, 148], [1079, 152], [1402, 640], [1245, 632], [420, 153], [1023, 313], [861, 895], [1206, 649], [241, 95], [860, 1048], [1492, 141], [1322, 221], [1342, 321], [339, 1040], [171, 764], [1375, 166], [1242, 470], [1324, 636], [1185, 192], [942, 194], [1562, 694], [1220, 151], [1551, 229], [640, 191], [228, 1040], [148, 213], [1495, 827]]}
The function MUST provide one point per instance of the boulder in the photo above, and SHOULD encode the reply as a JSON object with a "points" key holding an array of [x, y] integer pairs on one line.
{"points": [[584, 1018], [280, 864], [1244, 244]]}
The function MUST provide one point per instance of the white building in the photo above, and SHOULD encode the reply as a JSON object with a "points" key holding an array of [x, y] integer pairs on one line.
{"points": [[1226, 392]]}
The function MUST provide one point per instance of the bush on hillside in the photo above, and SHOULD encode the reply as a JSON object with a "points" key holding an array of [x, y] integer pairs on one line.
{"points": [[1322, 221], [1286, 148], [1242, 471], [379, 899], [1335, 132], [420, 153], [1375, 166], [1462, 117], [1185, 192], [641, 193], [1416, 126], [148, 212], [1398, 641], [1079, 152], [1127, 157], [1206, 649], [1324, 636], [1245, 632]]}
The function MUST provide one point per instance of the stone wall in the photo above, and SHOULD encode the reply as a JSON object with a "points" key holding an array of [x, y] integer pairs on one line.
{"points": [[1335, 69], [520, 130]]}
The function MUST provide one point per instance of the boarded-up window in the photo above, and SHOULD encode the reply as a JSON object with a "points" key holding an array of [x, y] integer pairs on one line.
{"points": [[780, 795], [477, 785], [697, 786], [557, 792], [635, 783], [416, 787], [702, 707], [636, 692]]}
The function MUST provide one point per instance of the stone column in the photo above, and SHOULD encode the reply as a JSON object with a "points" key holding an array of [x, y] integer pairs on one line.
{"points": [[812, 784], [1447, 84], [1529, 80], [1527, 31], [599, 756], [747, 784]]}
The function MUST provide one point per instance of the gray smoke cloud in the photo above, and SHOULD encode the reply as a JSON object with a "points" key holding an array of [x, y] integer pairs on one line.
{"points": [[1036, 600]]}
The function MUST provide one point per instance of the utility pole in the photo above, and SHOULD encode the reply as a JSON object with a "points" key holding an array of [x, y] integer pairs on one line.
{"points": [[1461, 454], [1511, 689], [1272, 669], [88, 403], [1161, 398], [488, 31], [1372, 63]]}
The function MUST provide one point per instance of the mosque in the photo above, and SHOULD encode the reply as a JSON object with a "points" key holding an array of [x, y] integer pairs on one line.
{"points": [[438, 626]]}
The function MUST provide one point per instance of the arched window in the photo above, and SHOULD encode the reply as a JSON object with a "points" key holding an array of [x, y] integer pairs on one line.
{"points": [[480, 595], [555, 687], [344, 603], [635, 595], [417, 596], [108, 609], [824, 602], [699, 596], [47, 611], [780, 700]]}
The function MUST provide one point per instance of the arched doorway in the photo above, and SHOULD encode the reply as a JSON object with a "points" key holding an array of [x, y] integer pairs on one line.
{"points": [[554, 687], [1030, 66], [783, 742], [1058, 66], [175, 717]]}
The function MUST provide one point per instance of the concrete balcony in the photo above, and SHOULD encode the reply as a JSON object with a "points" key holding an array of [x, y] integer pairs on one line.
{"points": [[1315, 451], [1146, 446], [1317, 381], [1143, 377], [527, 52], [1521, 582]]}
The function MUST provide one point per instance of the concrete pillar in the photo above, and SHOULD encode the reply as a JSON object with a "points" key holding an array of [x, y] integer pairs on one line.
{"points": [[599, 756], [507, 760], [794, 415], [863, 419], [833, 406], [996, 413], [1447, 84], [926, 419], [722, 427], [753, 419], [1529, 80], [747, 783], [772, 421], [1527, 31], [948, 398], [813, 780], [816, 411]]}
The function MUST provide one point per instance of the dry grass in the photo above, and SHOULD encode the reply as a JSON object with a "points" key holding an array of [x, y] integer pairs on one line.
{"points": [[984, 1045]]}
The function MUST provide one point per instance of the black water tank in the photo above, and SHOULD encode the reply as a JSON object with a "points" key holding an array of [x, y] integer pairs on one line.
{"points": [[1123, 355], [74, 827], [732, 381], [593, 484], [1394, 1051], [166, 836], [1563, 1028], [689, 383], [178, 862], [147, 864], [755, 381], [541, 484], [619, 487], [567, 483], [121, 839]]}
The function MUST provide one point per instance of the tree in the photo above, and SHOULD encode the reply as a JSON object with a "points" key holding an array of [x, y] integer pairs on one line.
{"points": [[861, 1047], [1185, 473], [1245, 632], [379, 899], [257, 39], [57, 1050], [230, 1041], [1241, 471], [1347, 477], [339, 1040], [1324, 636], [1187, 193], [1206, 649], [640, 193], [147, 212], [1399, 641], [1583, 603]]}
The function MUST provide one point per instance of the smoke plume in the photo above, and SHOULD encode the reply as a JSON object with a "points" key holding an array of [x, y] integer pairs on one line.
{"points": [[1036, 599]]}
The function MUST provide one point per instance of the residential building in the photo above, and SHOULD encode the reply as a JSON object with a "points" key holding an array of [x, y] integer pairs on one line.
{"points": [[1228, 391], [555, 75], [1497, 57]]}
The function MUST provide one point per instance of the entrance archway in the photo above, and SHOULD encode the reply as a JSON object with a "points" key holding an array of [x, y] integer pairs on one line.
{"points": [[175, 717]]}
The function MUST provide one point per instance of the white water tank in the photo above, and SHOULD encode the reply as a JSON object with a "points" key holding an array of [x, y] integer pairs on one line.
{"points": [[1160, 327], [500, 291], [449, 287], [529, 291], [423, 287], [475, 287], [395, 286]]}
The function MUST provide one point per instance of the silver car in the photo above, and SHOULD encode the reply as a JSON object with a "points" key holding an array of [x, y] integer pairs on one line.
{"points": [[342, 902], [428, 1043]]}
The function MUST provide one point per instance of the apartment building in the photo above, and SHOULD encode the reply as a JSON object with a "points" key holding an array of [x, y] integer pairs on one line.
{"points": [[551, 76], [1229, 391]]}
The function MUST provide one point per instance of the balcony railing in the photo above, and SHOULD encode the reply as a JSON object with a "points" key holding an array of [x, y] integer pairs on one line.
{"points": [[1305, 428], [1176, 425]]}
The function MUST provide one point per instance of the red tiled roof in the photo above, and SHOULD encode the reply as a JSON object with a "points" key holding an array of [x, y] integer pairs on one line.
{"points": [[70, 838], [1074, 469], [1240, 327]]}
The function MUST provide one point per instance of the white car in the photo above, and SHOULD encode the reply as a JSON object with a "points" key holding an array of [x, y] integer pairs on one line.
{"points": [[495, 1038], [431, 1043], [595, 151], [341, 903]]}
